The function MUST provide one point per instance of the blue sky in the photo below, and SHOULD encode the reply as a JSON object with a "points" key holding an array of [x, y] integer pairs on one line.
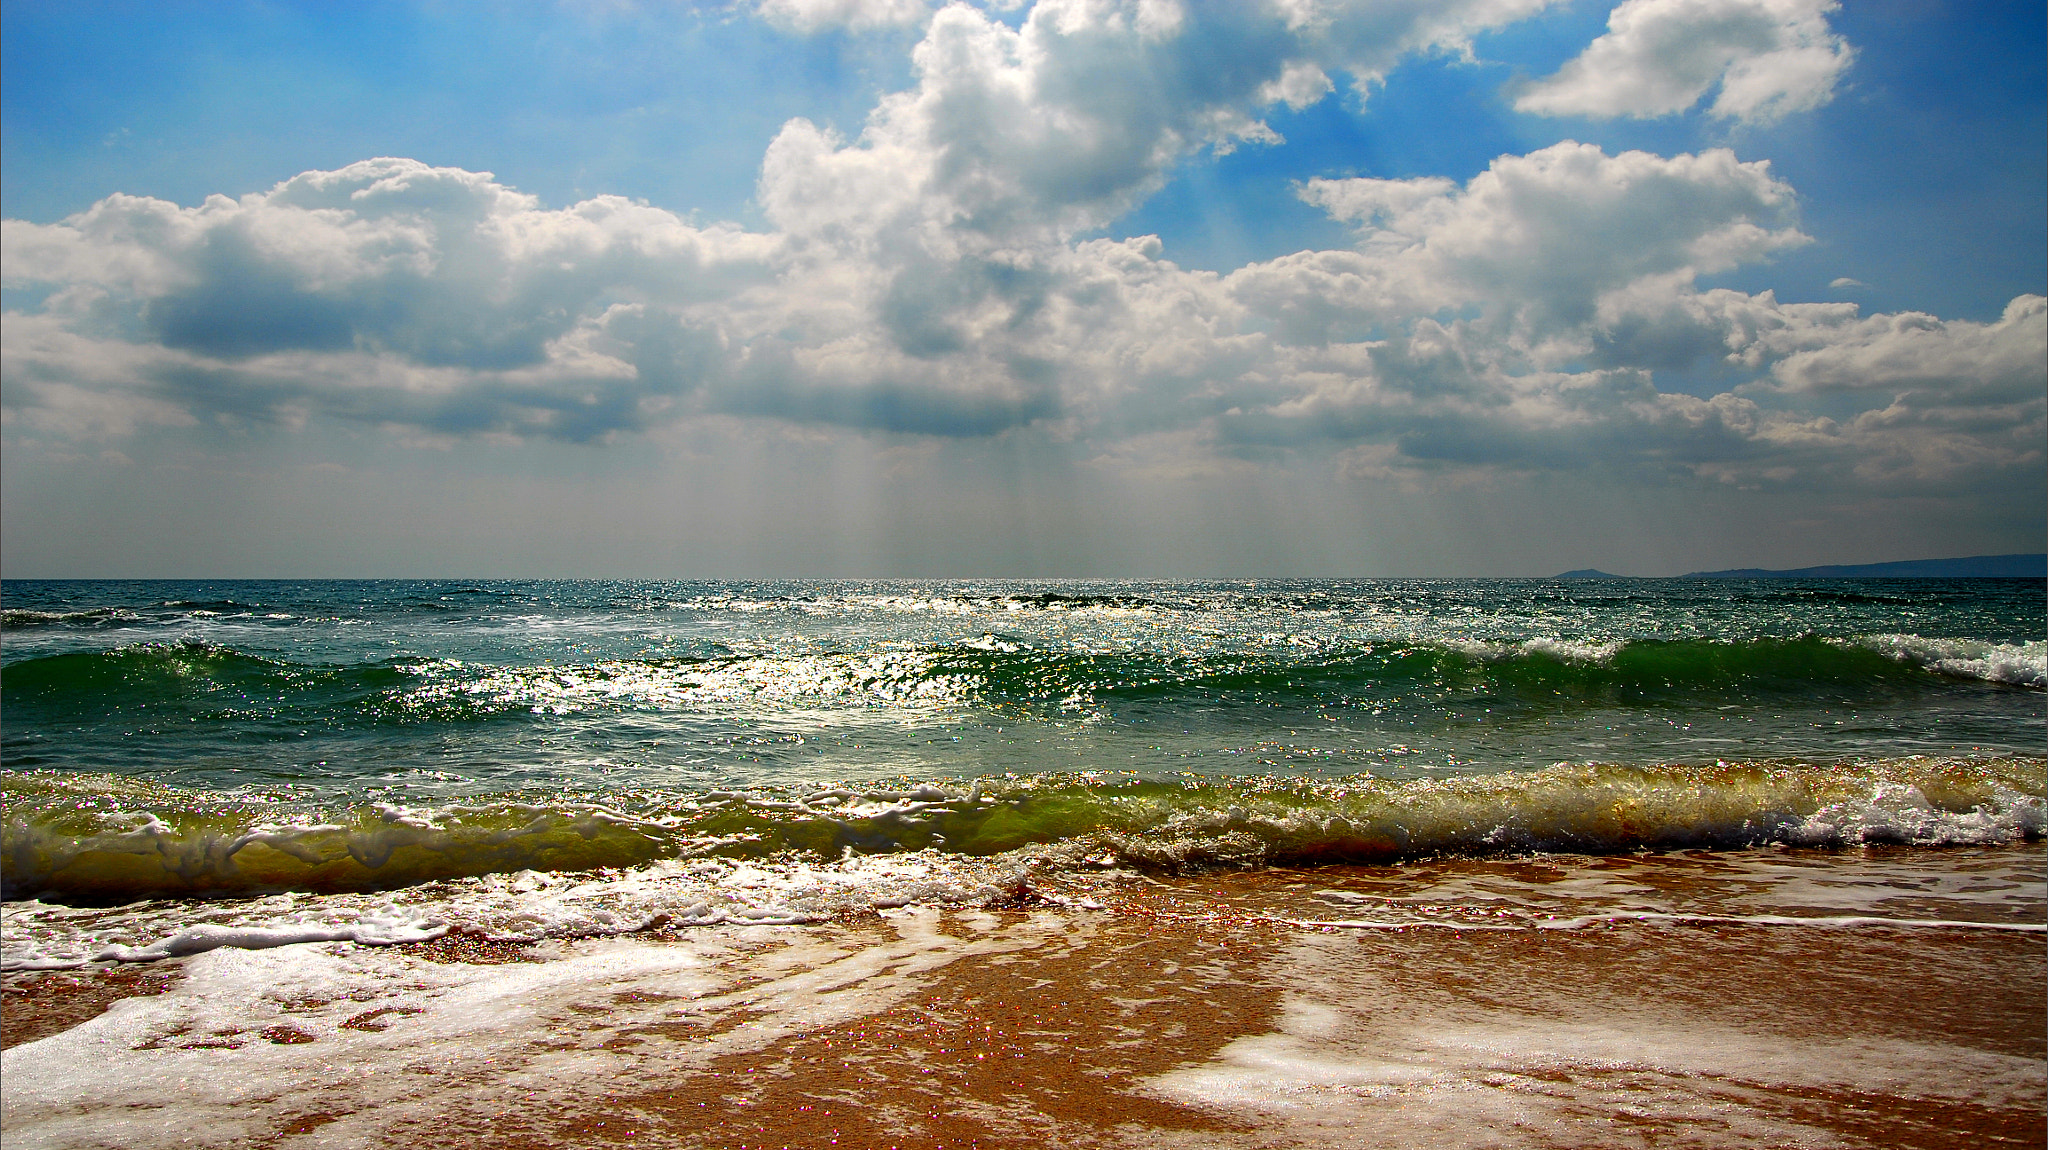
{"points": [[861, 287]]}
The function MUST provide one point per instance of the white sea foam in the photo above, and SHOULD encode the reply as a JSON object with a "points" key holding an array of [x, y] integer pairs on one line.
{"points": [[15, 618], [1900, 813], [1563, 650], [1371, 1061], [896, 678], [941, 603], [370, 930], [2019, 664], [403, 1043], [524, 906]]}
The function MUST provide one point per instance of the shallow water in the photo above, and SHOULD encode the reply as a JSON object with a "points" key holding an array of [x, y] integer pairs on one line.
{"points": [[1866, 997]]}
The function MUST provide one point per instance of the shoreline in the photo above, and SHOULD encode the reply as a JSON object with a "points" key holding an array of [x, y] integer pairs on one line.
{"points": [[1185, 1012]]}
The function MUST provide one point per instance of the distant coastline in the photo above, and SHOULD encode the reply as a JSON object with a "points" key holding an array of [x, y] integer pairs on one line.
{"points": [[1970, 567]]}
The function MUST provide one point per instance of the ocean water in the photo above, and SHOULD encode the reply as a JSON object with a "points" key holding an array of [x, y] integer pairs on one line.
{"points": [[189, 765]]}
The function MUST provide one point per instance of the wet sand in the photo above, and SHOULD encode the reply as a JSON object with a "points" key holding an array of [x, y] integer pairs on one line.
{"points": [[39, 1005], [1189, 1012]]}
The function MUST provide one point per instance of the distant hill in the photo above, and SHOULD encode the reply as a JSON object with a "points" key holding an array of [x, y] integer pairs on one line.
{"points": [[1974, 567], [1587, 573]]}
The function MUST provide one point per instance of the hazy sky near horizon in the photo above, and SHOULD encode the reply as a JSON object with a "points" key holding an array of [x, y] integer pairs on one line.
{"points": [[1075, 287]]}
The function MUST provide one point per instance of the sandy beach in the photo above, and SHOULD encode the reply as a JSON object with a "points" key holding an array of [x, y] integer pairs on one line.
{"points": [[1866, 998]]}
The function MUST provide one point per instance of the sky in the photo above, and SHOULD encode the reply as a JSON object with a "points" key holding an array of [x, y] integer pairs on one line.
{"points": [[1073, 288]]}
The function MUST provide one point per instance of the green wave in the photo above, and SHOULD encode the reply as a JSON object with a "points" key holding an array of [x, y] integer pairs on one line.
{"points": [[203, 681], [103, 838], [1641, 671]]}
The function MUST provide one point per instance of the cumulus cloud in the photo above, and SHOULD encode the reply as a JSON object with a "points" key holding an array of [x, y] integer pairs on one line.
{"points": [[928, 277], [1520, 319], [1913, 354], [1367, 38], [1817, 348], [388, 289], [1768, 58], [1548, 233], [1064, 123], [1933, 400]]}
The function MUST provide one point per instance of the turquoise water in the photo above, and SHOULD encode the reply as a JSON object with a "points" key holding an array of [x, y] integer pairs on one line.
{"points": [[151, 728]]}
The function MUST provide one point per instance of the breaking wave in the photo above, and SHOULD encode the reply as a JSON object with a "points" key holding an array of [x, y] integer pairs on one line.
{"points": [[22, 619], [207, 679], [100, 838], [2017, 664]]}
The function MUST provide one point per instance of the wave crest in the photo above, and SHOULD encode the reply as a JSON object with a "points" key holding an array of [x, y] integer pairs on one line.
{"points": [[2015, 664], [996, 669], [16, 619], [97, 838]]}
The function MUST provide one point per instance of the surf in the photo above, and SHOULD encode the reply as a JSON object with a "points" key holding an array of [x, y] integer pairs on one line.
{"points": [[108, 839]]}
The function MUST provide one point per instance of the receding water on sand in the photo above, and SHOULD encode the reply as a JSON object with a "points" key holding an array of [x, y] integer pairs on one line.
{"points": [[1777, 997]]}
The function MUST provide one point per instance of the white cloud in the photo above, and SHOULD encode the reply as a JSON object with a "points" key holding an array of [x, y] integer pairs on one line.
{"points": [[1817, 348], [1547, 234], [925, 277], [1936, 401], [1913, 354], [1768, 57], [1367, 38], [1300, 85], [1027, 134], [64, 385], [1519, 321], [1065, 122], [388, 290]]}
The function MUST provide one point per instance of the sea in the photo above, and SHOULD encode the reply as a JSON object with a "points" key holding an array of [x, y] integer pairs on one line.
{"points": [[386, 758], [1567, 862]]}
